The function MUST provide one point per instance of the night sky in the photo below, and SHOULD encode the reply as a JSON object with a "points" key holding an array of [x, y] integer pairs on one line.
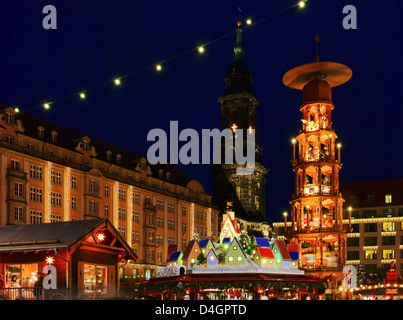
{"points": [[99, 40]]}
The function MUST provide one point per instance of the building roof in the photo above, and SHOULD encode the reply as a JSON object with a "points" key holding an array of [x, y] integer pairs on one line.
{"points": [[355, 193], [69, 138], [265, 252], [262, 242], [175, 256], [189, 249], [283, 249], [55, 235], [292, 247], [226, 240], [204, 242]]}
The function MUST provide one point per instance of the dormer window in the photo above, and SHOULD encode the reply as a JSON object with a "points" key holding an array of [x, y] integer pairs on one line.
{"points": [[53, 136], [86, 145], [9, 118], [108, 155], [160, 173], [41, 132], [168, 176], [119, 158]]}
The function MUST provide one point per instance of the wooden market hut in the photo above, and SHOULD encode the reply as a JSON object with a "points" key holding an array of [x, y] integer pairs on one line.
{"points": [[85, 254]]}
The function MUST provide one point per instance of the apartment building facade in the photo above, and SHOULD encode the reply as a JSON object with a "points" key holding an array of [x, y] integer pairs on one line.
{"points": [[376, 209], [51, 173]]}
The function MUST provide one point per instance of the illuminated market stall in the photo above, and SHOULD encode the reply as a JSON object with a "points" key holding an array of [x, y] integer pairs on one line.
{"points": [[231, 269], [84, 253]]}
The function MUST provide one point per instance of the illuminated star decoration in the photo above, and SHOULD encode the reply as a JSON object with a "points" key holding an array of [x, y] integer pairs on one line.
{"points": [[100, 237], [49, 260]]}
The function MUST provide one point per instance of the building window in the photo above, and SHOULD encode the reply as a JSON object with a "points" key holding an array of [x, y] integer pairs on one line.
{"points": [[151, 236], [122, 194], [171, 224], [388, 226], [183, 227], [371, 254], [370, 227], [41, 132], [18, 190], [36, 194], [122, 231], [160, 222], [74, 203], [35, 217], [15, 165], [388, 198], [74, 182], [160, 205], [122, 213], [56, 199], [388, 241], [94, 186], [35, 172], [56, 177], [9, 118], [370, 199], [53, 136], [160, 239], [18, 214], [171, 208], [108, 155], [353, 242], [183, 211], [106, 210], [136, 199], [136, 217], [370, 241], [55, 217], [390, 212], [106, 191], [388, 254]]}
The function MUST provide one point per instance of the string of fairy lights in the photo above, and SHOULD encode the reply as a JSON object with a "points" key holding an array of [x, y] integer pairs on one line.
{"points": [[159, 66]]}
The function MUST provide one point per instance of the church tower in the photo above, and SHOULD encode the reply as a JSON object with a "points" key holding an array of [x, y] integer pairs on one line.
{"points": [[317, 204], [239, 111]]}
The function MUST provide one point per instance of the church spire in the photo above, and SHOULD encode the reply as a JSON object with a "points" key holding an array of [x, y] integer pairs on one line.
{"points": [[238, 49]]}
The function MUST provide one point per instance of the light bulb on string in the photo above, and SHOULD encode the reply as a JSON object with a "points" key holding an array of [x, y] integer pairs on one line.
{"points": [[158, 67], [16, 109]]}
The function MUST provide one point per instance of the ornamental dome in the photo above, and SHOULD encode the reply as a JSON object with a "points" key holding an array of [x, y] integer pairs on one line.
{"points": [[238, 78]]}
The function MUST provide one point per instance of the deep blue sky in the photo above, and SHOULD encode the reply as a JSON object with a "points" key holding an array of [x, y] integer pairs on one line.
{"points": [[98, 40]]}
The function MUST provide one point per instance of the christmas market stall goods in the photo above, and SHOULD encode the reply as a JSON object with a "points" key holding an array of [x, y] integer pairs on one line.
{"points": [[84, 253]]}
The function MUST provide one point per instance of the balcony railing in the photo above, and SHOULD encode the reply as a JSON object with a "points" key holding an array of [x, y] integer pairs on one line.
{"points": [[30, 293]]}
